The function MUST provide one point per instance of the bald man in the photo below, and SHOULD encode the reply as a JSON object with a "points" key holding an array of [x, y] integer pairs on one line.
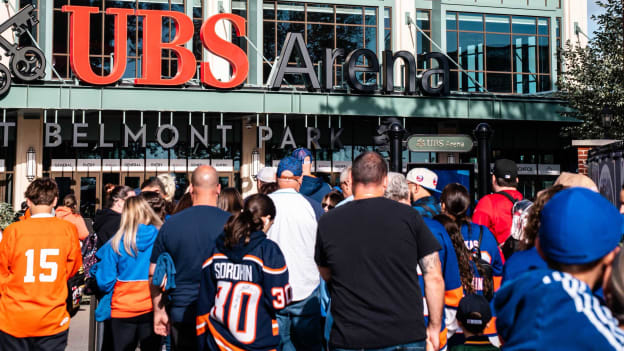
{"points": [[188, 237]]}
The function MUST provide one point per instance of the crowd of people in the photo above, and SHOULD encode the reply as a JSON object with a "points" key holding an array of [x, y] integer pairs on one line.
{"points": [[383, 261]]}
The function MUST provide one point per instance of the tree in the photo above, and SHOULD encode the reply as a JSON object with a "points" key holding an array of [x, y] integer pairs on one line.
{"points": [[593, 78]]}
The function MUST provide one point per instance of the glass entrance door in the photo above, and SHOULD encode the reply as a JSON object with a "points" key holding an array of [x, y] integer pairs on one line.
{"points": [[89, 198], [133, 179], [226, 180], [66, 184]]}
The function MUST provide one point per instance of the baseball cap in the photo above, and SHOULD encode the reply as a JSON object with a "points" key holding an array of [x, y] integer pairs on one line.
{"points": [[578, 226], [505, 169], [474, 313], [423, 177], [291, 164], [267, 174], [301, 153], [575, 179]]}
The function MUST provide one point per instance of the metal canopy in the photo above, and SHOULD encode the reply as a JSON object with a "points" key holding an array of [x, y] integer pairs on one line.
{"points": [[252, 101]]}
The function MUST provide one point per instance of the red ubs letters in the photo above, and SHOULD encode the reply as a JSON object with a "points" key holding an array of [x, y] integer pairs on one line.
{"points": [[153, 46]]}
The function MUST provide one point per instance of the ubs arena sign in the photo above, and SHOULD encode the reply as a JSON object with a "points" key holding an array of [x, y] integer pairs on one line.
{"points": [[432, 82]]}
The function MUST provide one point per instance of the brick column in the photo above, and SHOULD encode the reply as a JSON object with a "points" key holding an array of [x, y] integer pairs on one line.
{"points": [[583, 147], [582, 153]]}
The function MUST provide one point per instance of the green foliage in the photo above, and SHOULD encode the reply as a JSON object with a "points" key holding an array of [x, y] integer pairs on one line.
{"points": [[7, 215], [593, 78]]}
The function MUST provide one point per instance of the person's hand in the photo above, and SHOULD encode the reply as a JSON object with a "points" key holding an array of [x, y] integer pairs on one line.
{"points": [[429, 346], [161, 323], [433, 339]]}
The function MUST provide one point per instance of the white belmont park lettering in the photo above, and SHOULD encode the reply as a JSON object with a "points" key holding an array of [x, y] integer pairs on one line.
{"points": [[53, 136]]}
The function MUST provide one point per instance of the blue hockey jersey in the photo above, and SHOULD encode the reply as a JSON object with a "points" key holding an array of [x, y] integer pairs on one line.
{"points": [[453, 291], [241, 290], [546, 309]]}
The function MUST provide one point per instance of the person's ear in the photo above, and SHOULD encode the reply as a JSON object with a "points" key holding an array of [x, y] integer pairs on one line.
{"points": [[219, 188], [385, 182], [29, 203], [607, 261], [54, 202], [539, 249]]}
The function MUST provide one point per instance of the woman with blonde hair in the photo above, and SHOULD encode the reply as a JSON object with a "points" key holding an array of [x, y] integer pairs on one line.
{"points": [[168, 181], [122, 273]]}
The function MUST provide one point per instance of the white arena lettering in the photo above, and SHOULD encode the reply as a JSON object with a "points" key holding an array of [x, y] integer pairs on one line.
{"points": [[227, 270]]}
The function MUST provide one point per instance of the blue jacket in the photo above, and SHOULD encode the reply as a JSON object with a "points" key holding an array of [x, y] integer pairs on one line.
{"points": [[427, 206], [124, 278], [522, 261], [315, 188], [545, 309]]}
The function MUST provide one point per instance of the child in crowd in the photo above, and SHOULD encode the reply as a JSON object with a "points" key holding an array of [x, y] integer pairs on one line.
{"points": [[473, 315], [37, 257]]}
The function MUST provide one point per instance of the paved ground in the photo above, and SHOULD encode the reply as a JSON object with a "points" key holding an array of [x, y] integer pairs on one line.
{"points": [[79, 330]]}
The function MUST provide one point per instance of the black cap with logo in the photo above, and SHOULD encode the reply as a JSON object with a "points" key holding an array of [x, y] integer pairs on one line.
{"points": [[506, 169], [474, 313]]}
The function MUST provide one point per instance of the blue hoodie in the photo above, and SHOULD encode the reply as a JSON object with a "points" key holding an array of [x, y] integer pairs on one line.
{"points": [[545, 309], [314, 188], [124, 278]]}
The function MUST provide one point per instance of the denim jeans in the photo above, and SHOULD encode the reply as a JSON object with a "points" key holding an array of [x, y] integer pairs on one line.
{"points": [[414, 346], [300, 325]]}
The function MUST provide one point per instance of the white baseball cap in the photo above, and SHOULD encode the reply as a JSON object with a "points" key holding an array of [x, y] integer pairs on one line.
{"points": [[423, 177], [267, 175]]}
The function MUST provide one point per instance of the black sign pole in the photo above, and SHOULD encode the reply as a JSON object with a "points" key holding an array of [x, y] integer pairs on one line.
{"points": [[483, 133], [396, 134]]}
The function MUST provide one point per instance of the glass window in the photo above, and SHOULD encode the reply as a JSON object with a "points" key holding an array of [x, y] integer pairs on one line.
{"points": [[498, 24], [324, 27], [543, 27], [471, 22], [290, 11], [498, 52], [423, 20], [471, 51], [320, 13], [510, 45], [388, 28], [524, 25], [451, 21]]}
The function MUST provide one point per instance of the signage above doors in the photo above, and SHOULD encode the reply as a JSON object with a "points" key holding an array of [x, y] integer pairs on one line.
{"points": [[433, 81]]}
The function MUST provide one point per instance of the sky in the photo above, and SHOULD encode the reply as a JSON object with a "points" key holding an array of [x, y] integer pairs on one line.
{"points": [[592, 9]]}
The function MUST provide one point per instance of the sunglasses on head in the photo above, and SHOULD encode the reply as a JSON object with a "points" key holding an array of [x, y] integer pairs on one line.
{"points": [[329, 206]]}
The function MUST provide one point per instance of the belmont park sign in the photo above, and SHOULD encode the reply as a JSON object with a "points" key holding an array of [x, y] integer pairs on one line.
{"points": [[431, 82]]}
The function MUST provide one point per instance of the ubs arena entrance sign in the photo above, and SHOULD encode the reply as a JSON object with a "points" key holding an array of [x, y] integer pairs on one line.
{"points": [[432, 82]]}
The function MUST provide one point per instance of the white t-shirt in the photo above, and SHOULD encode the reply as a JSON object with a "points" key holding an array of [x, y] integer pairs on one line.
{"points": [[294, 230]]}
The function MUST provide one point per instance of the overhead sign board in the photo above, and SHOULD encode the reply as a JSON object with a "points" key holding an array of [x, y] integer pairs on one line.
{"points": [[439, 143]]}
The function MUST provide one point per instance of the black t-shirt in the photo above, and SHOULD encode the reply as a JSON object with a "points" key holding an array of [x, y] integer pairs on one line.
{"points": [[372, 248]]}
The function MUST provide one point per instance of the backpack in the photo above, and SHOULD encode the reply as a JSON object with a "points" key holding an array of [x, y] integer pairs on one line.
{"points": [[519, 214], [485, 268], [89, 248], [75, 285]]}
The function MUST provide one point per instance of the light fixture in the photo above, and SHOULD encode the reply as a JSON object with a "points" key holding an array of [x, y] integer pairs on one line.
{"points": [[255, 163], [31, 164]]}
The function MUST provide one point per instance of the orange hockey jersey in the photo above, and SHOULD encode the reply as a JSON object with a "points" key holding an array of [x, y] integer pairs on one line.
{"points": [[37, 257]]}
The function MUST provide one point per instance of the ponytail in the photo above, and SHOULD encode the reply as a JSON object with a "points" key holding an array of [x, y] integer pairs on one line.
{"points": [[461, 251], [241, 225], [239, 228]]}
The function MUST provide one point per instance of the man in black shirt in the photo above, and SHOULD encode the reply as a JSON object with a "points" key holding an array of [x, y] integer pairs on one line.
{"points": [[369, 252]]}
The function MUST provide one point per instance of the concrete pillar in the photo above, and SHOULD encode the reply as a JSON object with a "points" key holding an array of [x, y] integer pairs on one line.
{"points": [[255, 35], [29, 134]]}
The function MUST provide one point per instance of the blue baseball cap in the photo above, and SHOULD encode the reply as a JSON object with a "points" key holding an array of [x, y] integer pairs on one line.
{"points": [[579, 226], [291, 164], [301, 153]]}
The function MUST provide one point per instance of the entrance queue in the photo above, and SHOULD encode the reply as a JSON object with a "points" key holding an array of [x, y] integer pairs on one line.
{"points": [[399, 265]]}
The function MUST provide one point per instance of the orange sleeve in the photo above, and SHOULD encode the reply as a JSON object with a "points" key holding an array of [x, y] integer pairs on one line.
{"points": [[74, 258], [5, 252], [83, 232]]}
